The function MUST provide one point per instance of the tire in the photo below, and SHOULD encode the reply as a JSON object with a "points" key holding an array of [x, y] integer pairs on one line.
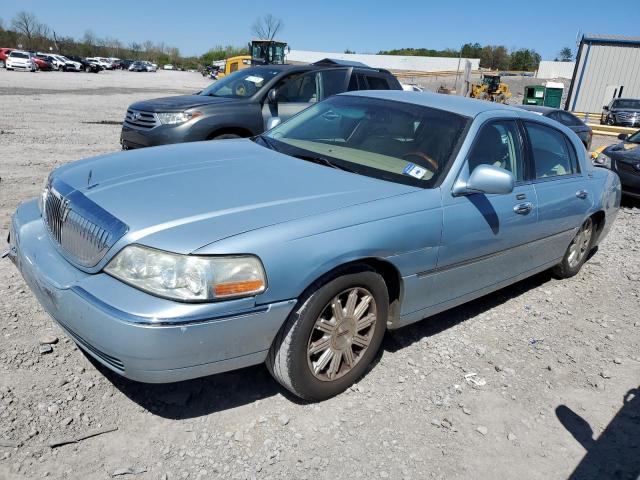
{"points": [[580, 246], [226, 136], [610, 121], [291, 359]]}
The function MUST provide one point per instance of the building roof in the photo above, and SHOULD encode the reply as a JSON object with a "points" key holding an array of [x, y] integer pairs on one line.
{"points": [[611, 39]]}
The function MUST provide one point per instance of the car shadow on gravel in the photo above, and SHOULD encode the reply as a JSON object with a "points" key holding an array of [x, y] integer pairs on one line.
{"points": [[616, 452], [403, 337], [200, 396]]}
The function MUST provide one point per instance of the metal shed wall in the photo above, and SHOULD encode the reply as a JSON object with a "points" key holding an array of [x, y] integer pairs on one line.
{"points": [[391, 62], [604, 62]]}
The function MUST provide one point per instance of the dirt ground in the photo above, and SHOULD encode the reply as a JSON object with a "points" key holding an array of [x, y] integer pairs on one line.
{"points": [[535, 381]]}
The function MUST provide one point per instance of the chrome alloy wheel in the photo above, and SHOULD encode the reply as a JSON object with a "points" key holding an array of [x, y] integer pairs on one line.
{"points": [[342, 333], [580, 245]]}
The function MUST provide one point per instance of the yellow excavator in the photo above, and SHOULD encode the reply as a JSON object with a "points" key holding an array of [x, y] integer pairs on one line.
{"points": [[491, 89]]}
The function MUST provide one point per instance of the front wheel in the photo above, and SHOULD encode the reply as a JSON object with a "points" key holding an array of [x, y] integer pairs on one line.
{"points": [[332, 335], [577, 252]]}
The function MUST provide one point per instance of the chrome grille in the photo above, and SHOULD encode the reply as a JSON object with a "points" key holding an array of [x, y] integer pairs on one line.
{"points": [[141, 120], [83, 230], [628, 116]]}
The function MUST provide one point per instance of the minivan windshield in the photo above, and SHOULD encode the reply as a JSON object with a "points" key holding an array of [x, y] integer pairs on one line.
{"points": [[240, 84], [389, 140], [626, 103]]}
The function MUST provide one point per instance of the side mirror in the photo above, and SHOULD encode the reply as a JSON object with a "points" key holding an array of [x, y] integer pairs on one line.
{"points": [[623, 136], [605, 107], [272, 96], [486, 179], [273, 122]]}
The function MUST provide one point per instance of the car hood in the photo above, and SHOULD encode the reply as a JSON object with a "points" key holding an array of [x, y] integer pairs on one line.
{"points": [[178, 103], [624, 150], [182, 197]]}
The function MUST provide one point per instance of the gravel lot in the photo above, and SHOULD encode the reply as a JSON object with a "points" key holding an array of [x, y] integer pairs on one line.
{"points": [[504, 387]]}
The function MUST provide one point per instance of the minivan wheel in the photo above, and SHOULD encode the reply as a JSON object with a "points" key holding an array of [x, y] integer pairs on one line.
{"points": [[332, 335], [577, 251]]}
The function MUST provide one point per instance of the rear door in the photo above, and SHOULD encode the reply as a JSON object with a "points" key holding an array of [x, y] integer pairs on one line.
{"points": [[299, 91], [564, 195]]}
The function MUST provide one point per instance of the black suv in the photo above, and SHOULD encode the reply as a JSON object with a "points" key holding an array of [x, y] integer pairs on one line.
{"points": [[621, 111], [246, 102]]}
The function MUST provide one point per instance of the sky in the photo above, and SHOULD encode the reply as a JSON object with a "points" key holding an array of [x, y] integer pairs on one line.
{"points": [[194, 26]]}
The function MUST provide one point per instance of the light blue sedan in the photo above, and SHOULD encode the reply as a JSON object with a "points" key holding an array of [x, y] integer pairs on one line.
{"points": [[300, 247]]}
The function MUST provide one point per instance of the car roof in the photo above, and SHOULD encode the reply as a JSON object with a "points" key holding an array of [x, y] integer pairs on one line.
{"points": [[461, 105], [538, 108]]}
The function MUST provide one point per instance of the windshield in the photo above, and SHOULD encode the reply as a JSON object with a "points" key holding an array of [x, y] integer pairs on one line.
{"points": [[240, 84], [389, 140], [635, 138], [18, 55], [626, 104]]}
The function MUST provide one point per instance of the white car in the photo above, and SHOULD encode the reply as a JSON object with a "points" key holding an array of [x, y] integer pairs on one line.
{"points": [[151, 67], [20, 60], [67, 64], [168, 66], [410, 87], [100, 61]]}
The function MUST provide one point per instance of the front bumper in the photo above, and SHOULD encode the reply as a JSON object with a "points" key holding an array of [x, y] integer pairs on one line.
{"points": [[137, 335], [131, 138]]}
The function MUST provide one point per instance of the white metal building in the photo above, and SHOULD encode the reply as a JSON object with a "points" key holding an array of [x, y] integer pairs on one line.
{"points": [[550, 69], [389, 62], [607, 66]]}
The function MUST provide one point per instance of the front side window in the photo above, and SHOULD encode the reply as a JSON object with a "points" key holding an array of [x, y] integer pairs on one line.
{"points": [[299, 88], [393, 141], [240, 84], [498, 144], [550, 148]]}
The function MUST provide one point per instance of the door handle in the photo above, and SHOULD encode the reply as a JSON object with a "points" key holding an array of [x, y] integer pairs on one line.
{"points": [[582, 194], [523, 208]]}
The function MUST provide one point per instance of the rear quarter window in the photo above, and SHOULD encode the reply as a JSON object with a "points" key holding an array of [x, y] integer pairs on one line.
{"points": [[377, 83]]}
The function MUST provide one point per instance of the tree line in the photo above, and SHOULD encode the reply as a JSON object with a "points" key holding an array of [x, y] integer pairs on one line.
{"points": [[495, 57], [27, 32]]}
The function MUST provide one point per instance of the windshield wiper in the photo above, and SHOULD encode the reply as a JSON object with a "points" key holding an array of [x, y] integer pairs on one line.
{"points": [[267, 142], [322, 161]]}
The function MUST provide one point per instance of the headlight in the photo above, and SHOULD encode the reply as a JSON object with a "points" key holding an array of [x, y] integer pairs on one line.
{"points": [[173, 118], [602, 160], [188, 278]]}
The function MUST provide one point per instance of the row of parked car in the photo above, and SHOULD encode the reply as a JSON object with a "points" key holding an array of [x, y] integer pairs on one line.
{"points": [[13, 59]]}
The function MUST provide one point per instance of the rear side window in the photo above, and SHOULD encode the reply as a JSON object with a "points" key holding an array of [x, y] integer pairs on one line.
{"points": [[377, 83], [498, 144], [551, 151], [569, 120]]}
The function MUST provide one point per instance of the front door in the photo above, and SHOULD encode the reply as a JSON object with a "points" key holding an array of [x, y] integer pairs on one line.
{"points": [[299, 91], [486, 238]]}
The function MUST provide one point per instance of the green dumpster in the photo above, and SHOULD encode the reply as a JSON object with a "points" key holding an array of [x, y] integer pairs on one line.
{"points": [[553, 94], [533, 95]]}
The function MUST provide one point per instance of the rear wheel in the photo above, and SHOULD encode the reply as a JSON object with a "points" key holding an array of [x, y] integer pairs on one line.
{"points": [[332, 335], [577, 252]]}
